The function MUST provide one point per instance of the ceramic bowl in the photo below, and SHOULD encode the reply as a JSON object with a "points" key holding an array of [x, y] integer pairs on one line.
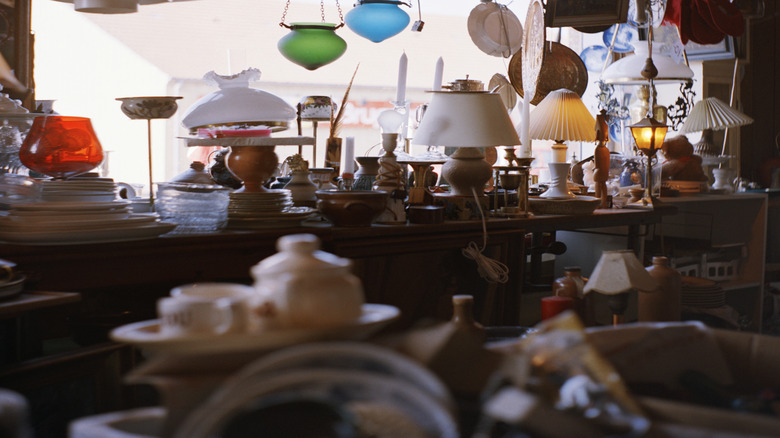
{"points": [[149, 107], [355, 208]]}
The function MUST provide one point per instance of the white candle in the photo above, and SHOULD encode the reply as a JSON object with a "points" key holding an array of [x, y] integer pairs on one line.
{"points": [[525, 133], [400, 96], [349, 155], [437, 75]]}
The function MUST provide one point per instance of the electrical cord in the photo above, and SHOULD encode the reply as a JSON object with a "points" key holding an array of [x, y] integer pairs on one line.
{"points": [[489, 269]]}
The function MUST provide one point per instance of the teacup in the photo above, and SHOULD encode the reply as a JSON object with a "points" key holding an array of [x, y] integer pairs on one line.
{"points": [[7, 272], [206, 308]]}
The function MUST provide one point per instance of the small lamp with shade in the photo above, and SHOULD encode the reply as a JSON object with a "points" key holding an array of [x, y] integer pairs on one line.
{"points": [[466, 120], [616, 274], [561, 116]]}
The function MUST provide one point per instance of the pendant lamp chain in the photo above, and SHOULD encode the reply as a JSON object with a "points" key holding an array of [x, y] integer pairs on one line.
{"points": [[322, 14]]}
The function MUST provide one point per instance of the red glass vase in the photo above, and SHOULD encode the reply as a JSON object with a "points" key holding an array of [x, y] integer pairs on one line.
{"points": [[61, 146]]}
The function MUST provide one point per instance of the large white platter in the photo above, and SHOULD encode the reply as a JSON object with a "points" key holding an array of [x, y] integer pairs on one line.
{"points": [[77, 237], [146, 335], [70, 206]]}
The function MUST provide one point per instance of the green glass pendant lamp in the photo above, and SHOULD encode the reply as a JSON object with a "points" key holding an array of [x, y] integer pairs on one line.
{"points": [[312, 44]]}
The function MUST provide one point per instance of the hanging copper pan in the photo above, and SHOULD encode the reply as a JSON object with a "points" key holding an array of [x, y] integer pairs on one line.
{"points": [[561, 68]]}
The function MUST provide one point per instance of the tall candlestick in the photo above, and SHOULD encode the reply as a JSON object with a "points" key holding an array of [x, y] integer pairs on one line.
{"points": [[349, 155], [525, 132], [400, 96], [438, 74]]}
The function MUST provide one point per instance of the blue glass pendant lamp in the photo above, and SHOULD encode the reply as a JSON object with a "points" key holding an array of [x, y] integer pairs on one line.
{"points": [[312, 45], [377, 20]]}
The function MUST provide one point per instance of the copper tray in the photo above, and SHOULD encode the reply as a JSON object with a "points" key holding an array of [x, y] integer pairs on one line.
{"points": [[562, 68]]}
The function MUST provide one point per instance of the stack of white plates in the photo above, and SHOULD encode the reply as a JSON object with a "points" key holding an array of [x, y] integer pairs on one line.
{"points": [[381, 393], [269, 209], [702, 293], [79, 190], [60, 222]]}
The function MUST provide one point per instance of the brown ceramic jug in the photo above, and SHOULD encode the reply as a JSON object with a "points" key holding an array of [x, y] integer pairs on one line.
{"points": [[571, 285], [663, 304]]}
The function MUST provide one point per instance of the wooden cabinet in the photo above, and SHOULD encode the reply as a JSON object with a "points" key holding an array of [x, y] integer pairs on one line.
{"points": [[723, 238]]}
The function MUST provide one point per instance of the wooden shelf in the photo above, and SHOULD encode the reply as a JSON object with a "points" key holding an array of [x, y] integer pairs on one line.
{"points": [[35, 300]]}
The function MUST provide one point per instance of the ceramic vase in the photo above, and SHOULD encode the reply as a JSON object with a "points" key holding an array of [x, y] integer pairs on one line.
{"points": [[722, 177], [663, 304], [559, 186], [302, 189], [368, 169]]}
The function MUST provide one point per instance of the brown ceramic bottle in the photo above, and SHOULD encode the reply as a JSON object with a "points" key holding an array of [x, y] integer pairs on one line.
{"points": [[663, 304], [571, 285]]}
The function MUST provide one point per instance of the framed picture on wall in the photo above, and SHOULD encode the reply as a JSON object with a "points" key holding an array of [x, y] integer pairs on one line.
{"points": [[710, 52], [585, 13]]}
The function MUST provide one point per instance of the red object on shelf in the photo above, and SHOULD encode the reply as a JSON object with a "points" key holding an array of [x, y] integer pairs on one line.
{"points": [[554, 305], [61, 146]]}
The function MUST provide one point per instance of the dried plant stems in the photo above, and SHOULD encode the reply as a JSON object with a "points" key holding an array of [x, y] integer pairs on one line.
{"points": [[335, 122]]}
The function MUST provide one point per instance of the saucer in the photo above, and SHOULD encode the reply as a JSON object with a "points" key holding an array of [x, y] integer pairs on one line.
{"points": [[495, 29], [146, 335], [13, 287]]}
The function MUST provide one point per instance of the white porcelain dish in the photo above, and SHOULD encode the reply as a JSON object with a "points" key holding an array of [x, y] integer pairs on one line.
{"points": [[77, 237], [144, 422], [495, 29], [13, 287], [136, 220], [345, 388], [146, 335], [71, 206]]}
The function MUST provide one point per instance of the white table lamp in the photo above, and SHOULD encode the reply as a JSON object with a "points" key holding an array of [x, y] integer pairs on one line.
{"points": [[466, 120]]}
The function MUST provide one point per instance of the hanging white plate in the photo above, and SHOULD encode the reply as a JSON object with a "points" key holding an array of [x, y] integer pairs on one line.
{"points": [[495, 29]]}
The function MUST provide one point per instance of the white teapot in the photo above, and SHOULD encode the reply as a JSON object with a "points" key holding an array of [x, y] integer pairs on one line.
{"points": [[306, 287]]}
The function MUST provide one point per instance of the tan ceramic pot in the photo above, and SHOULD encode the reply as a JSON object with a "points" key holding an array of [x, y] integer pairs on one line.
{"points": [[254, 165]]}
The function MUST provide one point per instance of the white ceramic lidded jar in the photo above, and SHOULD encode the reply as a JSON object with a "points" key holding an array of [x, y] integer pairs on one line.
{"points": [[307, 287]]}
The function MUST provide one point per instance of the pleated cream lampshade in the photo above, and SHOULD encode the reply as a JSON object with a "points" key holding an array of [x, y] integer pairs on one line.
{"points": [[562, 116], [713, 113]]}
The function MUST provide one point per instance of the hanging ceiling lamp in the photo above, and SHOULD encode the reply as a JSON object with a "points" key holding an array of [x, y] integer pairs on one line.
{"points": [[377, 20], [312, 45]]}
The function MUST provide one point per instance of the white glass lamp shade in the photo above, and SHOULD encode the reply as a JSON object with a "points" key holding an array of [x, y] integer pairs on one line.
{"points": [[237, 103], [713, 113], [106, 6], [627, 70], [466, 120], [618, 272], [377, 20], [562, 116]]}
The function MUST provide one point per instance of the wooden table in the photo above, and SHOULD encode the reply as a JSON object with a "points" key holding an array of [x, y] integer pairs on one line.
{"points": [[415, 267]]}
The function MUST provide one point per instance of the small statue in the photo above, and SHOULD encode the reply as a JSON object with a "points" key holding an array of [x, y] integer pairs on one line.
{"points": [[601, 159]]}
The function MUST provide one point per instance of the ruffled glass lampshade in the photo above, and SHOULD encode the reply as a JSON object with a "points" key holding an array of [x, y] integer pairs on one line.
{"points": [[377, 20], [61, 146]]}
